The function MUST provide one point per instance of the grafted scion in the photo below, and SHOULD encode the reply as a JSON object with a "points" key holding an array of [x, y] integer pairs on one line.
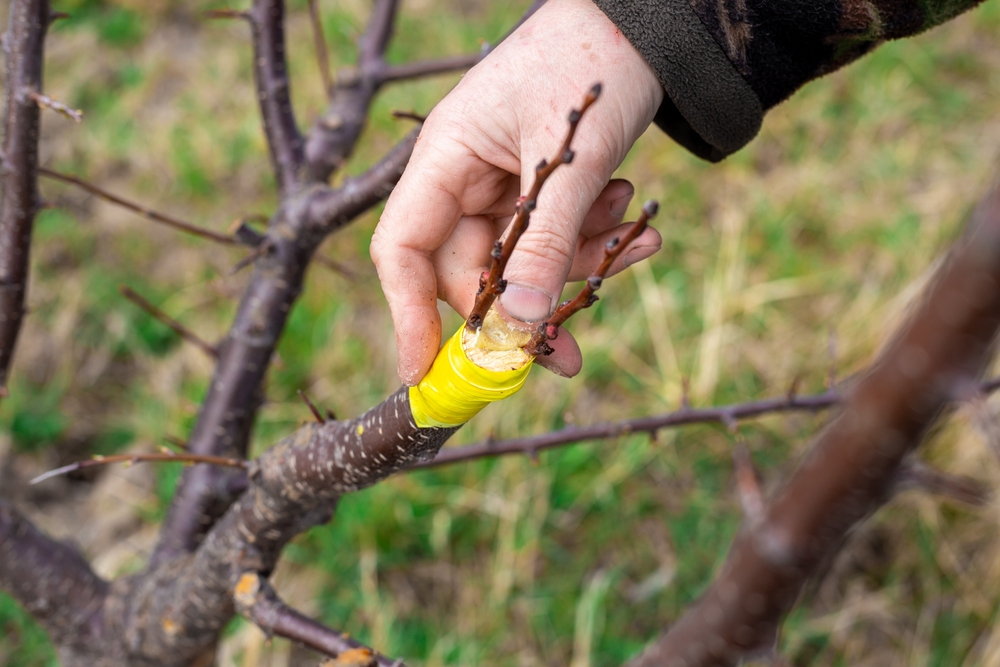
{"points": [[492, 284], [548, 330]]}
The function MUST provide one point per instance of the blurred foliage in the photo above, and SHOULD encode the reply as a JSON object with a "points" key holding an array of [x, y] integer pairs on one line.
{"points": [[824, 226]]}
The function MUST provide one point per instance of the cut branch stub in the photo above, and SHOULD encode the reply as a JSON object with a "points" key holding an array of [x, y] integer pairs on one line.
{"points": [[492, 284], [538, 345]]}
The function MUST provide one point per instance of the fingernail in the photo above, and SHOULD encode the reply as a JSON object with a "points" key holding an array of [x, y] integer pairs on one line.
{"points": [[620, 206], [638, 254], [528, 304]]}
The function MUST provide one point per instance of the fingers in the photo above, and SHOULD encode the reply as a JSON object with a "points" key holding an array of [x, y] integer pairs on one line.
{"points": [[419, 216], [542, 260], [462, 259], [609, 209], [590, 252]]}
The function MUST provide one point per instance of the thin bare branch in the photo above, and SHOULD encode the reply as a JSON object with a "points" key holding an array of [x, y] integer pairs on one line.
{"points": [[130, 459], [422, 68], [686, 415], [24, 46], [341, 270], [587, 297], [139, 209], [317, 415], [918, 475], [47, 102], [319, 42], [227, 14], [408, 115], [853, 467], [168, 321], [492, 284], [257, 601], [262, 249]]}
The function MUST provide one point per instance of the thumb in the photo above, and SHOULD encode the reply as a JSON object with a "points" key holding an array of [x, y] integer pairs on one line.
{"points": [[537, 270]]}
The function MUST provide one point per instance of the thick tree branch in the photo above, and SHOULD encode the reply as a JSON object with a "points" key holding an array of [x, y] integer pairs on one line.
{"points": [[24, 46], [332, 209], [334, 134], [50, 579], [853, 466], [294, 485], [224, 424], [256, 600], [226, 417], [267, 20]]}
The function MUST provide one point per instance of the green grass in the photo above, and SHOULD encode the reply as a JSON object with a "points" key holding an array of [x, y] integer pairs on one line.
{"points": [[851, 190]]}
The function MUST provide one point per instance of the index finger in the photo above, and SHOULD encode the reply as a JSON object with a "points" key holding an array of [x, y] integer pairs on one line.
{"points": [[420, 214]]}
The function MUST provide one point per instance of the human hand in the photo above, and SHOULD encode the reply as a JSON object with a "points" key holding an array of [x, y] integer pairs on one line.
{"points": [[458, 192]]}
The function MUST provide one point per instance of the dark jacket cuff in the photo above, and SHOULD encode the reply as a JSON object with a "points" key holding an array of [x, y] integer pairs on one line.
{"points": [[709, 108]]}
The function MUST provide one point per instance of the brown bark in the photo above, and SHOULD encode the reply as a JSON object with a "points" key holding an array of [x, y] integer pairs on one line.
{"points": [[853, 467], [52, 581], [24, 44]]}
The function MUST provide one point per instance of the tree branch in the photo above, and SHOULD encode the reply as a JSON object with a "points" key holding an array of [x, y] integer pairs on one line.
{"points": [[46, 102], [919, 476], [257, 601], [724, 415], [332, 209], [492, 284], [549, 330], [24, 44], [169, 322], [226, 418], [319, 43], [294, 486], [129, 459], [852, 467], [422, 68], [50, 579], [334, 134], [267, 20], [149, 214]]}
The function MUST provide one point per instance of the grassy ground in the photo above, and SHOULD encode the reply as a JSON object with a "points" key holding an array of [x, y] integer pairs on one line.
{"points": [[825, 226]]}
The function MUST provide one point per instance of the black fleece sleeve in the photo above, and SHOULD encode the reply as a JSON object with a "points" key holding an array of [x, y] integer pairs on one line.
{"points": [[723, 63]]}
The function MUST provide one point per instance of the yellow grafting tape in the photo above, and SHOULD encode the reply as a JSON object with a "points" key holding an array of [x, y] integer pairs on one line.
{"points": [[456, 388]]}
